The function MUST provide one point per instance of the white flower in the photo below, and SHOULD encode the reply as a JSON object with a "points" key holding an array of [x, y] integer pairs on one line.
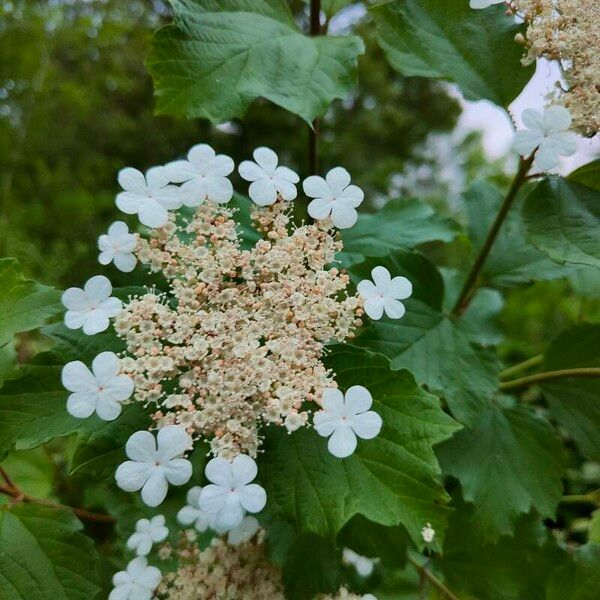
{"points": [[101, 390], [192, 513], [428, 533], [548, 132], [137, 583], [204, 176], [147, 533], [484, 3], [149, 197], [117, 245], [333, 196], [90, 307], [231, 494], [267, 178], [155, 464], [364, 566], [244, 531], [345, 418], [384, 294], [369, 597]]}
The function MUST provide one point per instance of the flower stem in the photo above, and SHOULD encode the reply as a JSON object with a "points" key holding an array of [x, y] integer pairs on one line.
{"points": [[522, 366], [313, 132], [590, 498], [423, 572], [19, 496], [547, 375], [470, 285]]}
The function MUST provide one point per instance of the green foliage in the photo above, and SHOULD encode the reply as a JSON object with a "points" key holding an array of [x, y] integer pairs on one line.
{"points": [[43, 555], [392, 479], [563, 220], [449, 40], [220, 55], [32, 470], [580, 579]]}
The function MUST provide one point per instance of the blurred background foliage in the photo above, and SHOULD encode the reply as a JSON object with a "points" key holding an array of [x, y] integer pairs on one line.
{"points": [[76, 105]]}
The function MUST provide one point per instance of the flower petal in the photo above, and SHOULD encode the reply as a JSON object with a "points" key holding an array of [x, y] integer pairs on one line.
{"points": [[382, 278], [111, 306], [253, 497], [152, 214], [105, 366], [132, 180], [108, 409], [178, 471], [333, 401], [169, 197], [119, 388], [556, 118], [74, 319], [213, 498], [173, 440], [533, 120], [262, 192], [351, 196], [219, 189], [131, 475], [95, 322], [129, 202], [82, 405], [149, 578], [222, 165], [266, 159], [141, 447], [98, 288], [367, 425], [400, 288], [201, 155], [343, 217], [320, 208], [250, 171], [546, 157], [394, 309], [243, 470], [193, 192], [286, 174], [525, 142], [342, 443], [155, 489], [188, 514], [75, 299], [337, 180], [218, 471], [118, 229], [286, 189], [180, 171], [230, 515], [374, 308], [124, 262], [325, 423], [76, 377], [358, 399], [193, 496], [316, 187], [367, 289], [156, 178]]}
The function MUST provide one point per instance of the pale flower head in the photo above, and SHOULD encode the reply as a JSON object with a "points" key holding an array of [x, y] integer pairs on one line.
{"points": [[428, 533], [344, 418], [204, 176], [548, 132], [484, 3], [101, 390], [333, 197], [117, 246], [90, 308], [364, 566], [150, 197], [383, 294], [191, 513], [244, 531], [231, 493], [154, 464], [138, 582], [268, 179], [147, 533]]}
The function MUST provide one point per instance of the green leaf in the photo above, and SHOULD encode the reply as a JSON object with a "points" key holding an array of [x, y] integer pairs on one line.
{"points": [[585, 281], [588, 175], [563, 220], [431, 345], [392, 479], [449, 40], [44, 556], [400, 224], [220, 55], [512, 261], [32, 471], [579, 580], [573, 401], [24, 305], [508, 463]]}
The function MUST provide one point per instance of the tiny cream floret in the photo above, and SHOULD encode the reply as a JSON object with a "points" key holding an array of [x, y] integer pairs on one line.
{"points": [[428, 533]]}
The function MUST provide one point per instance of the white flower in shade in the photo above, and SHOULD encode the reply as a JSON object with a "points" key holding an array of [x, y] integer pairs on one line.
{"points": [[364, 566], [428, 533], [346, 418], [117, 245], [484, 3], [192, 513], [333, 196], [244, 531], [231, 493], [91, 307], [138, 582], [147, 533], [204, 176], [155, 463], [369, 597], [149, 197], [100, 390], [268, 180], [384, 294], [548, 132]]}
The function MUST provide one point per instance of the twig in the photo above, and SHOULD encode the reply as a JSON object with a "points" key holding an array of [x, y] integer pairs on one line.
{"points": [[471, 283], [590, 498], [522, 366], [433, 579], [313, 132], [547, 375], [6, 477]]}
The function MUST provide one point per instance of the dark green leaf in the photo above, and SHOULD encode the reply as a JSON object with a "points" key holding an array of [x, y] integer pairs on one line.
{"points": [[588, 175], [220, 55], [449, 40], [579, 580], [32, 471]]}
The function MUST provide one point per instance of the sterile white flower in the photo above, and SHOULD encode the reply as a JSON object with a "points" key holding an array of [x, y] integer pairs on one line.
{"points": [[364, 566], [428, 533], [204, 176], [231, 494], [346, 418], [484, 3], [147, 533], [333, 196], [369, 597], [150, 196], [155, 463], [267, 178], [192, 513], [90, 307], [117, 245], [384, 294], [548, 132], [138, 582], [101, 390], [244, 531]]}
